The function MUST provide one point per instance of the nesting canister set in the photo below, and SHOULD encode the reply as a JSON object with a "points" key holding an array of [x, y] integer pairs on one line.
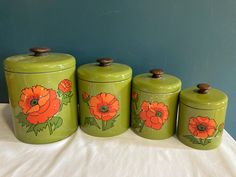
{"points": [[43, 88]]}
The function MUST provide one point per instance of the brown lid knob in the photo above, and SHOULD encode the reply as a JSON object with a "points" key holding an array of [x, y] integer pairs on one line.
{"points": [[38, 51], [156, 73], [203, 88], [105, 61]]}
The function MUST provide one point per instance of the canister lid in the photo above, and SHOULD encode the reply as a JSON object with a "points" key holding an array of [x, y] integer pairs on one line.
{"points": [[104, 71], [157, 82], [39, 61], [203, 97]]}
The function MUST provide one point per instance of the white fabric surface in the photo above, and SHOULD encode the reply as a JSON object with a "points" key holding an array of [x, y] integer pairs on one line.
{"points": [[126, 155]]}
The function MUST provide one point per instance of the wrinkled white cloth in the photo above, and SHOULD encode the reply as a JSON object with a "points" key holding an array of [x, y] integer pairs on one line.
{"points": [[126, 155]]}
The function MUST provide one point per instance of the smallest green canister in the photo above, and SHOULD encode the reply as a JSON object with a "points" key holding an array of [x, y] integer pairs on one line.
{"points": [[202, 112], [154, 104], [104, 97]]}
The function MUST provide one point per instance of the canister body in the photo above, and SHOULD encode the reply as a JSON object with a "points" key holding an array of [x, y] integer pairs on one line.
{"points": [[200, 128], [153, 115], [104, 107], [44, 105]]}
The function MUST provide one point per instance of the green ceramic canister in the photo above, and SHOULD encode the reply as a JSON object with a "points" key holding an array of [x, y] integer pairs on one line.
{"points": [[104, 97], [154, 104], [202, 112], [42, 94]]}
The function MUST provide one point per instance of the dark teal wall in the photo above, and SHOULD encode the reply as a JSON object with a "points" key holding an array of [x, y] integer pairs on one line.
{"points": [[192, 39]]}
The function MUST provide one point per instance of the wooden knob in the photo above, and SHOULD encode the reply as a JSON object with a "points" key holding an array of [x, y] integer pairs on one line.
{"points": [[203, 88], [38, 51], [105, 61], [157, 73]]}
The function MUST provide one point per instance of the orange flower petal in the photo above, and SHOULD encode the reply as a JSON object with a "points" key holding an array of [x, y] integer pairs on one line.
{"points": [[114, 105], [212, 123], [33, 109], [96, 112], [192, 128], [150, 113], [94, 101], [104, 99], [143, 115], [108, 116], [202, 134], [211, 131], [202, 120], [50, 112], [39, 90], [148, 123], [107, 98], [43, 100], [26, 96], [157, 126], [209, 124], [154, 106], [27, 92], [145, 106]]}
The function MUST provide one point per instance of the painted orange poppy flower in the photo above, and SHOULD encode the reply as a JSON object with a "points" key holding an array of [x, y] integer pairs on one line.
{"points": [[154, 114], [104, 106], [65, 85], [39, 104], [202, 127]]}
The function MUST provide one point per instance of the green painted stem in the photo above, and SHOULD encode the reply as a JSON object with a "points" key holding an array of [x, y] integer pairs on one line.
{"points": [[142, 125], [50, 128], [103, 125]]}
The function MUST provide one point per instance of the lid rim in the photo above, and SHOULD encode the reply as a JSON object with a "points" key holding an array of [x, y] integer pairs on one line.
{"points": [[164, 85], [181, 101], [214, 99], [116, 72], [104, 82], [26, 63], [158, 92], [40, 72]]}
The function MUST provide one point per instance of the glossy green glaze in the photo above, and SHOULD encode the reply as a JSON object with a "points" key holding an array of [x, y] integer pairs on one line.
{"points": [[166, 84], [104, 106], [44, 106], [94, 73], [27, 63], [214, 99], [201, 123], [154, 112]]}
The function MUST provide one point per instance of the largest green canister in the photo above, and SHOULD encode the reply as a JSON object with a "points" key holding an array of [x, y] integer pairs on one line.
{"points": [[42, 94], [154, 104], [104, 97], [202, 111]]}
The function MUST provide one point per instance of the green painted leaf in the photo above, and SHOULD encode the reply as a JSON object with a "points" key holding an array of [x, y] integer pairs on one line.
{"points": [[39, 127], [192, 139], [55, 122], [221, 127], [22, 120], [91, 121], [61, 106], [198, 141], [109, 124], [65, 100], [141, 125], [31, 128], [69, 94], [135, 123], [59, 93], [206, 141]]}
